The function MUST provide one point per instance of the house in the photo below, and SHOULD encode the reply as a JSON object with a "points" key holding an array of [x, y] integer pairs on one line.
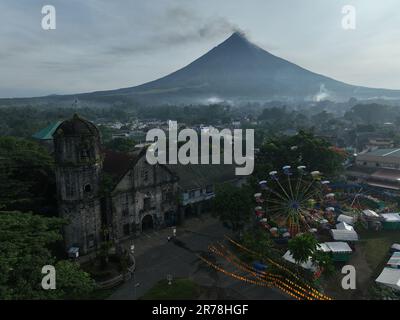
{"points": [[197, 184], [390, 277], [380, 158], [378, 168], [340, 251], [391, 221]]}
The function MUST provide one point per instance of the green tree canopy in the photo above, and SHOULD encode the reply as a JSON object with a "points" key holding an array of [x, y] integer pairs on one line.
{"points": [[302, 149], [121, 144], [232, 205], [25, 247], [303, 247], [27, 176]]}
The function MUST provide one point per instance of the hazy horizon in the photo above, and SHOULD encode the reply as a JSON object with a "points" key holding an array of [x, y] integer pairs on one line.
{"points": [[99, 45]]}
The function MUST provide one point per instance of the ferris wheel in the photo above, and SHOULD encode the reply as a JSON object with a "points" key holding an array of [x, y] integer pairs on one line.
{"points": [[293, 198]]}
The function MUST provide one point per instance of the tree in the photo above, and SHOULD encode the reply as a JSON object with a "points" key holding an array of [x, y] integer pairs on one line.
{"points": [[301, 149], [258, 241], [27, 176], [324, 262], [72, 282], [232, 205], [121, 144], [302, 247], [25, 242]]}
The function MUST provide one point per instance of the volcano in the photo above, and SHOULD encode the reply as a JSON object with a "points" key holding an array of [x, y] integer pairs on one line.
{"points": [[238, 70]]}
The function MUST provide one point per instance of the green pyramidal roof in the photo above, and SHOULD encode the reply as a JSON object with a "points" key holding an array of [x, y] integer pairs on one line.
{"points": [[47, 133]]}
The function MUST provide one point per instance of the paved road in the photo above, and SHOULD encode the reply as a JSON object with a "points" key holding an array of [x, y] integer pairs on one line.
{"points": [[156, 258]]}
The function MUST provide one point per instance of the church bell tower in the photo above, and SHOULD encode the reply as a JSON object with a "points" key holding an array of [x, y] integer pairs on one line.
{"points": [[79, 160]]}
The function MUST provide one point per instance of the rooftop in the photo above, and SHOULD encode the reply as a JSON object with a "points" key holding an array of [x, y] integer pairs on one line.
{"points": [[47, 132], [394, 260], [338, 246], [390, 277], [117, 164], [344, 235], [195, 176], [390, 152]]}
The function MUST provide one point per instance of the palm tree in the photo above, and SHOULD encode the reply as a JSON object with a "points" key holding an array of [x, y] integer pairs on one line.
{"points": [[302, 247]]}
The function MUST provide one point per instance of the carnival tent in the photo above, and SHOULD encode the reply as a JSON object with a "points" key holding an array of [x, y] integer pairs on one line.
{"points": [[344, 226], [394, 261], [347, 219], [391, 221], [309, 265], [344, 235], [390, 277], [369, 214]]}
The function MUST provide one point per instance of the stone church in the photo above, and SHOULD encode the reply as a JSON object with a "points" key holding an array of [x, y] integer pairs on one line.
{"points": [[107, 195]]}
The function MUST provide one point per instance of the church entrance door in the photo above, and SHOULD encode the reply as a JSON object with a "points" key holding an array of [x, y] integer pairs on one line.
{"points": [[147, 223]]}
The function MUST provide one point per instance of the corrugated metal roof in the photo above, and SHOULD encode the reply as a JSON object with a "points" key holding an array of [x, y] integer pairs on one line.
{"points": [[392, 152]]}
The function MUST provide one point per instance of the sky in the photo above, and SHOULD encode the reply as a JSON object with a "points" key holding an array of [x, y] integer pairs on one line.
{"points": [[104, 44]]}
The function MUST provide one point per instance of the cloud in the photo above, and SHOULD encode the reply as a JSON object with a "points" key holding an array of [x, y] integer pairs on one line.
{"points": [[177, 26]]}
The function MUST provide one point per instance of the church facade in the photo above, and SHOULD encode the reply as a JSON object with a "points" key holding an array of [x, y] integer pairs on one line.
{"points": [[105, 195]]}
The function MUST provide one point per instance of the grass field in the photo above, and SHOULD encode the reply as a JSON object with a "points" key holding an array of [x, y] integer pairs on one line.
{"points": [[376, 246], [179, 289], [369, 259]]}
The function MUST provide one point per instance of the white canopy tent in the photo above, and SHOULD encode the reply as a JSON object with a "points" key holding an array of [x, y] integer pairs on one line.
{"points": [[309, 265], [344, 226], [344, 235], [395, 247], [338, 246], [390, 277], [391, 217], [394, 261], [369, 214], [347, 219]]}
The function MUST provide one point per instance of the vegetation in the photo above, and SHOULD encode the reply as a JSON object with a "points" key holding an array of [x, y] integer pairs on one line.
{"points": [[121, 144], [26, 241], [27, 176], [232, 205], [24, 121], [178, 289], [301, 149], [324, 262], [258, 241], [302, 247]]}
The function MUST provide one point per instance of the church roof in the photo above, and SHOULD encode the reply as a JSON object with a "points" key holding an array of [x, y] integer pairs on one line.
{"points": [[117, 164], [195, 176], [47, 133], [77, 126]]}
